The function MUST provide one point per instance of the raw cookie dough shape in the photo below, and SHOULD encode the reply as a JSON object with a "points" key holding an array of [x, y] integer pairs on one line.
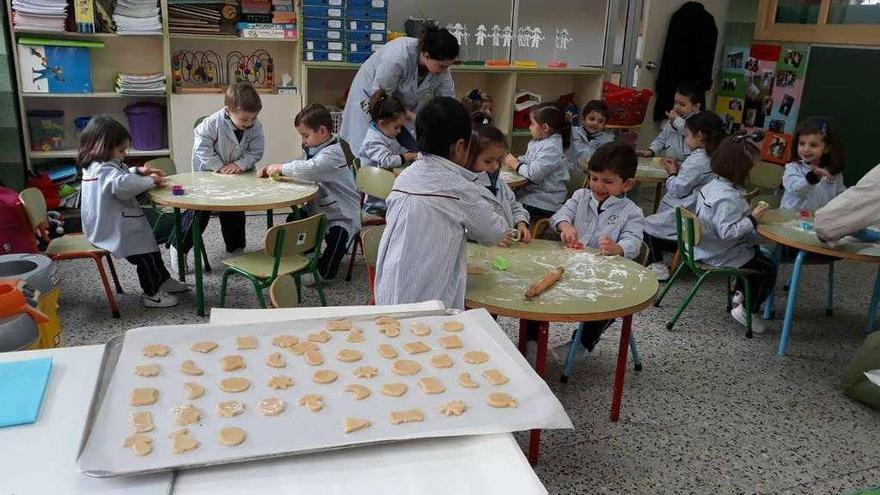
{"points": [[234, 385], [495, 377], [143, 397], [230, 408], [441, 361], [349, 355], [186, 414], [500, 400], [313, 358], [273, 406], [140, 445], [387, 320], [181, 441], [280, 382], [452, 326], [155, 350], [204, 347], [359, 392], [141, 422], [232, 363], [312, 402], [340, 325], [387, 351], [431, 385], [245, 342], [417, 347], [303, 347], [355, 335], [231, 436], [189, 367], [193, 390], [475, 357], [451, 342], [146, 370], [420, 328], [366, 372], [321, 337], [275, 360], [466, 381], [388, 325], [453, 408], [408, 416], [406, 367], [324, 377], [284, 341], [394, 389], [352, 425]]}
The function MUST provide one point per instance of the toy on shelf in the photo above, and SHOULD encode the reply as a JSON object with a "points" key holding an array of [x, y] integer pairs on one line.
{"points": [[501, 38], [257, 68], [527, 38], [562, 40], [197, 72], [523, 104]]}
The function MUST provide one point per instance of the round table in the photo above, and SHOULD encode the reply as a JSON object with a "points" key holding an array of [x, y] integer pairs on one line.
{"points": [[784, 228], [594, 287], [651, 171], [513, 179], [209, 191]]}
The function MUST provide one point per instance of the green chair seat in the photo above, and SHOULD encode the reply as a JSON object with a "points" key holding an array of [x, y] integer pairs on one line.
{"points": [[71, 244], [260, 264]]}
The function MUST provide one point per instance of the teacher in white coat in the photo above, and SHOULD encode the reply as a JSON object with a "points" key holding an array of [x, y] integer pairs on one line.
{"points": [[414, 69]]}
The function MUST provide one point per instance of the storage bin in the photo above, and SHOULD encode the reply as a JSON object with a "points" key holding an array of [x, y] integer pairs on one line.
{"points": [[322, 34], [364, 47], [39, 273], [333, 46], [323, 3], [367, 14], [47, 129], [323, 56], [146, 124], [376, 4], [321, 11], [357, 25], [358, 57], [322, 23], [366, 36]]}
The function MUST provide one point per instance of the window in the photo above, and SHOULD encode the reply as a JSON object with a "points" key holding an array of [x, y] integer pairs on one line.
{"points": [[847, 22]]}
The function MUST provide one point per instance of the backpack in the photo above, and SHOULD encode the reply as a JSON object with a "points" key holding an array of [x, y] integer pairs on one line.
{"points": [[16, 235]]}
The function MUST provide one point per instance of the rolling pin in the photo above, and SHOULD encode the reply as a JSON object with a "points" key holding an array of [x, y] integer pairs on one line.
{"points": [[544, 283]]}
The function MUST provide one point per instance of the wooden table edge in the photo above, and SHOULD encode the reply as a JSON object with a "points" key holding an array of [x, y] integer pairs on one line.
{"points": [[566, 318], [256, 207], [779, 239]]}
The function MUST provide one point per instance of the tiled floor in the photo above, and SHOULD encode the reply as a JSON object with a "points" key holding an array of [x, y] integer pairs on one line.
{"points": [[710, 413]]}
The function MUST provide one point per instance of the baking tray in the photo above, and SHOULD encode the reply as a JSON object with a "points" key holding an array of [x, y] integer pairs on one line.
{"points": [[298, 431]]}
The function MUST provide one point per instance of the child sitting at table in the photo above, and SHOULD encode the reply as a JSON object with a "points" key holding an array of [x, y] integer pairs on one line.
{"points": [[817, 177], [324, 162], [689, 99], [488, 148], [703, 133], [591, 134], [601, 217], [729, 227], [112, 219], [545, 164], [230, 141], [436, 202]]}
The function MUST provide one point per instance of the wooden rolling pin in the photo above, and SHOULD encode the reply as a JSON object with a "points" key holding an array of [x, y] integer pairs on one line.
{"points": [[544, 283]]}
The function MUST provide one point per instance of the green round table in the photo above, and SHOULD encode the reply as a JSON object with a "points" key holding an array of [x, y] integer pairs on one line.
{"points": [[209, 191], [651, 171], [594, 287]]}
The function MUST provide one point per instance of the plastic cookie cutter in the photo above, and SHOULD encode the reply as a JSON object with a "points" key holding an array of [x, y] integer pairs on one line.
{"points": [[500, 263], [514, 234]]}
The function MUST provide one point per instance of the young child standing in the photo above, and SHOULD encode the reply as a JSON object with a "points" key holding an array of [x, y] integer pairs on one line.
{"points": [[689, 98], [112, 219], [487, 150], [435, 204], [324, 162], [602, 217], [230, 141], [817, 177], [703, 133], [729, 227], [545, 164], [591, 134]]}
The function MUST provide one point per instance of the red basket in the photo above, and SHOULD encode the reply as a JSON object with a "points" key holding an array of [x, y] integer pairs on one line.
{"points": [[626, 106]]}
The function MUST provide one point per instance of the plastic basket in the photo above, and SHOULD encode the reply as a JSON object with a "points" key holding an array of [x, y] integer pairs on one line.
{"points": [[626, 106], [336, 117]]}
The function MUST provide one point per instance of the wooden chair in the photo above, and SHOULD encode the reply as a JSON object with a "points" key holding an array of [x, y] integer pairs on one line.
{"points": [[371, 238], [376, 182], [283, 292], [767, 178], [292, 248], [689, 235], [70, 246]]}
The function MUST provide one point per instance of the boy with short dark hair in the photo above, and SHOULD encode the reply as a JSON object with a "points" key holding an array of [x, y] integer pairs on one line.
{"points": [[591, 134], [689, 99]]}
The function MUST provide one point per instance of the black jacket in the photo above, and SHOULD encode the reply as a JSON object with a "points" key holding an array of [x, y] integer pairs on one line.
{"points": [[688, 54]]}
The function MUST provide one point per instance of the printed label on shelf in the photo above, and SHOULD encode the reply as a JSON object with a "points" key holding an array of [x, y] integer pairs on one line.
{"points": [[334, 23], [334, 12]]}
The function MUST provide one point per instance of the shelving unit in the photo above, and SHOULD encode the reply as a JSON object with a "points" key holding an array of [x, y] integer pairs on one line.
{"points": [[71, 153], [98, 94]]}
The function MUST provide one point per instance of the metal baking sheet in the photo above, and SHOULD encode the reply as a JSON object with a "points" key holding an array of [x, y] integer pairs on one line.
{"points": [[298, 431]]}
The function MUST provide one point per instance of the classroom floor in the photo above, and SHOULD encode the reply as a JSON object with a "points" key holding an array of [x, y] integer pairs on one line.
{"points": [[710, 413]]}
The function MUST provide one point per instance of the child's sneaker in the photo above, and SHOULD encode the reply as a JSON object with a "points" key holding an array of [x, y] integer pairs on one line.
{"points": [[739, 314], [308, 280], [560, 353], [173, 286], [660, 270], [175, 267], [159, 300], [738, 298]]}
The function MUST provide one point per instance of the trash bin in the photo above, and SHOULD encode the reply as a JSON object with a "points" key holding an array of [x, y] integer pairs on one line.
{"points": [[19, 317], [146, 124], [41, 274]]}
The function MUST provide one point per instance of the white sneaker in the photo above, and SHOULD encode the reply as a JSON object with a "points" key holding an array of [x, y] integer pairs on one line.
{"points": [[738, 298], [175, 267], [308, 280], [173, 286], [660, 270], [560, 353], [739, 314], [159, 300], [532, 352]]}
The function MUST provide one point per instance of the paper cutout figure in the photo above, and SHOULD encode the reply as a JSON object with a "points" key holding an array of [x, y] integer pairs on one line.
{"points": [[496, 36], [536, 37], [523, 36], [507, 36], [562, 38], [464, 35], [480, 35]]}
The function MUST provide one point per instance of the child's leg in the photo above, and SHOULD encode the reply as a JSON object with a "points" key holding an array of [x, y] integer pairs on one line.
{"points": [[761, 282], [186, 228], [336, 241], [232, 225], [151, 271], [659, 246], [592, 332], [536, 214]]}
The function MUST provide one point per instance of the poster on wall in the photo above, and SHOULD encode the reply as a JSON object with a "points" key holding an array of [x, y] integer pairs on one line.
{"points": [[759, 82], [788, 88], [776, 148]]}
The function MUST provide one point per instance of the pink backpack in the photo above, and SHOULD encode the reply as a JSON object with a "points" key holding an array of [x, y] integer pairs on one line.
{"points": [[16, 235]]}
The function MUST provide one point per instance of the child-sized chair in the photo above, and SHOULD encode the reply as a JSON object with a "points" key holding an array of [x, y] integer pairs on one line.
{"points": [[688, 231], [375, 182], [283, 292], [767, 177], [292, 248], [371, 238], [70, 246]]}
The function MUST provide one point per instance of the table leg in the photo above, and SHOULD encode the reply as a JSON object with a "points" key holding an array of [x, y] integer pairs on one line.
{"points": [[197, 248], [770, 303], [540, 367], [620, 373], [178, 242], [270, 219], [523, 336], [658, 195], [541, 359], [789, 305], [872, 309]]}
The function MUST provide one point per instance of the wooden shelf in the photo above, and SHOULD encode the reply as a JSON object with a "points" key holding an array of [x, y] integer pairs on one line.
{"points": [[521, 133], [473, 68], [216, 37], [98, 94], [72, 35], [44, 155]]}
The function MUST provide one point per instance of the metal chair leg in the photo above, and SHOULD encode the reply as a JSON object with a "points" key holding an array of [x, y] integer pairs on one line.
{"points": [[352, 256], [569, 360], [872, 308], [114, 309], [669, 284], [113, 274], [319, 283], [747, 305], [223, 282], [687, 300], [829, 295], [637, 358], [789, 305]]}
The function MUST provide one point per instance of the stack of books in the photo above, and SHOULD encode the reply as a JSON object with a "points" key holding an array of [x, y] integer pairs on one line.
{"points": [[137, 17], [141, 84], [283, 12], [39, 15], [256, 11], [192, 19], [266, 30]]}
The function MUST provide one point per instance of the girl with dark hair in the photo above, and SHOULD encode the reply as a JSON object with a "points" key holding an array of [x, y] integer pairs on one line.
{"points": [[817, 177], [112, 219]]}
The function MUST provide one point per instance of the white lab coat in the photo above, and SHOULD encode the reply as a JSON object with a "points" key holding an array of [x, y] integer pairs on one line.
{"points": [[215, 144], [546, 167], [729, 236], [583, 145], [513, 210], [670, 142], [620, 219], [681, 190], [800, 194]]}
